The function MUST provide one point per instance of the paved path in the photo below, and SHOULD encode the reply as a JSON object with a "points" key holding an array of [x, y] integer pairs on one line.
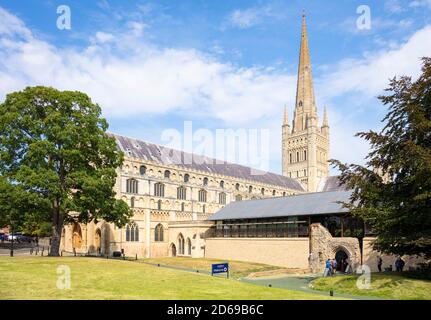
{"points": [[300, 283], [291, 282]]}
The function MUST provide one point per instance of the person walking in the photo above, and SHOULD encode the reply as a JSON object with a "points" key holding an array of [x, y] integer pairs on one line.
{"points": [[401, 264], [327, 271], [398, 264], [347, 261], [333, 266], [379, 263]]}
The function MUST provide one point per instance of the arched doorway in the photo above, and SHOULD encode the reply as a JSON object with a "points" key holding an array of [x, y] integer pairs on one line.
{"points": [[97, 241], [77, 236], [341, 257], [173, 250]]}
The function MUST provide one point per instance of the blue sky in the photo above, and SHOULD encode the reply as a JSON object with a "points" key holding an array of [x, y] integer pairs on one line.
{"points": [[152, 65]]}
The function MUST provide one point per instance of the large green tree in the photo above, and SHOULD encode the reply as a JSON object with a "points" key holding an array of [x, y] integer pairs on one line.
{"points": [[54, 148], [393, 191]]}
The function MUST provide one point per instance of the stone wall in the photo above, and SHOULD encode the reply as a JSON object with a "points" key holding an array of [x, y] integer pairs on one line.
{"points": [[370, 257], [283, 252], [323, 246]]}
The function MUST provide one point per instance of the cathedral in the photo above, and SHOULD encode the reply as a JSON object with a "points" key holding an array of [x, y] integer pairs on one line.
{"points": [[204, 208], [305, 144]]}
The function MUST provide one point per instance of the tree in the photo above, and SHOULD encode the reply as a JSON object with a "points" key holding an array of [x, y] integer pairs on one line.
{"points": [[54, 148], [393, 191]]}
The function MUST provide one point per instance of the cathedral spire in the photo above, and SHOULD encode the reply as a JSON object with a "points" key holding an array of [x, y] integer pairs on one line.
{"points": [[305, 100]]}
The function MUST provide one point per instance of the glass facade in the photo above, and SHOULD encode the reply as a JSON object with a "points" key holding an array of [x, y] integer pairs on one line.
{"points": [[290, 227], [262, 228]]}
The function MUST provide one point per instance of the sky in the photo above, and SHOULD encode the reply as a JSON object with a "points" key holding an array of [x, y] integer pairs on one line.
{"points": [[153, 66]]}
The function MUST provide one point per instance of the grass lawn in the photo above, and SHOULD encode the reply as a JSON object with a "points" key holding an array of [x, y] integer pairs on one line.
{"points": [[93, 278], [238, 269], [388, 286]]}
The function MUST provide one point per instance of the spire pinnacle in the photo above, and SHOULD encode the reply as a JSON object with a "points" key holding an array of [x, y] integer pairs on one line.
{"points": [[325, 118], [286, 116], [305, 99]]}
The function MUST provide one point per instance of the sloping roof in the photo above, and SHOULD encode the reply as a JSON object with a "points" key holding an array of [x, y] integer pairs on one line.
{"points": [[331, 183], [153, 152], [303, 204]]}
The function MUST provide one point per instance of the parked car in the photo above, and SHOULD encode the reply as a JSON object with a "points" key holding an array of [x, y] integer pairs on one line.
{"points": [[22, 238], [18, 237], [3, 237], [10, 237]]}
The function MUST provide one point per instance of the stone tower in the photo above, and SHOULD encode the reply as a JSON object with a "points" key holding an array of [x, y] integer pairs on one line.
{"points": [[305, 144]]}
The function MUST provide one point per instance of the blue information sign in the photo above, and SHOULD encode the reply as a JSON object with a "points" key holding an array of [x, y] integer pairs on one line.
{"points": [[220, 268]]}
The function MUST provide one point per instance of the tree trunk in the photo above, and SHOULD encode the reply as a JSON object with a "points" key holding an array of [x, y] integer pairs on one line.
{"points": [[57, 228], [56, 239]]}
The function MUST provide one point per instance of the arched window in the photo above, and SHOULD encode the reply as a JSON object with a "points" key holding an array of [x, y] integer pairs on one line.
{"points": [[300, 103], [180, 244], [305, 155], [127, 233], [159, 189], [183, 206], [222, 184], [132, 232], [132, 186], [159, 205], [238, 197], [237, 187], [202, 196], [189, 247], [305, 172], [204, 209], [290, 157], [142, 170], [262, 191], [132, 202], [297, 157], [222, 198], [181, 193], [205, 182], [186, 178], [158, 232], [167, 174], [284, 193], [273, 192], [250, 189]]}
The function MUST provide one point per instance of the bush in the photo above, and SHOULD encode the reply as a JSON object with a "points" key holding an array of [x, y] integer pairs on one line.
{"points": [[422, 271]]}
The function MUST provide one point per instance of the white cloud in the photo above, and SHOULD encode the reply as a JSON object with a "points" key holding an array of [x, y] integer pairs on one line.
{"points": [[393, 6], [370, 74], [11, 25], [103, 37], [420, 3], [131, 78], [246, 18]]}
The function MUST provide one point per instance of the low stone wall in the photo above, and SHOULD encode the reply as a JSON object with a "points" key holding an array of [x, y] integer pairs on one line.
{"points": [[370, 258], [286, 252]]}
